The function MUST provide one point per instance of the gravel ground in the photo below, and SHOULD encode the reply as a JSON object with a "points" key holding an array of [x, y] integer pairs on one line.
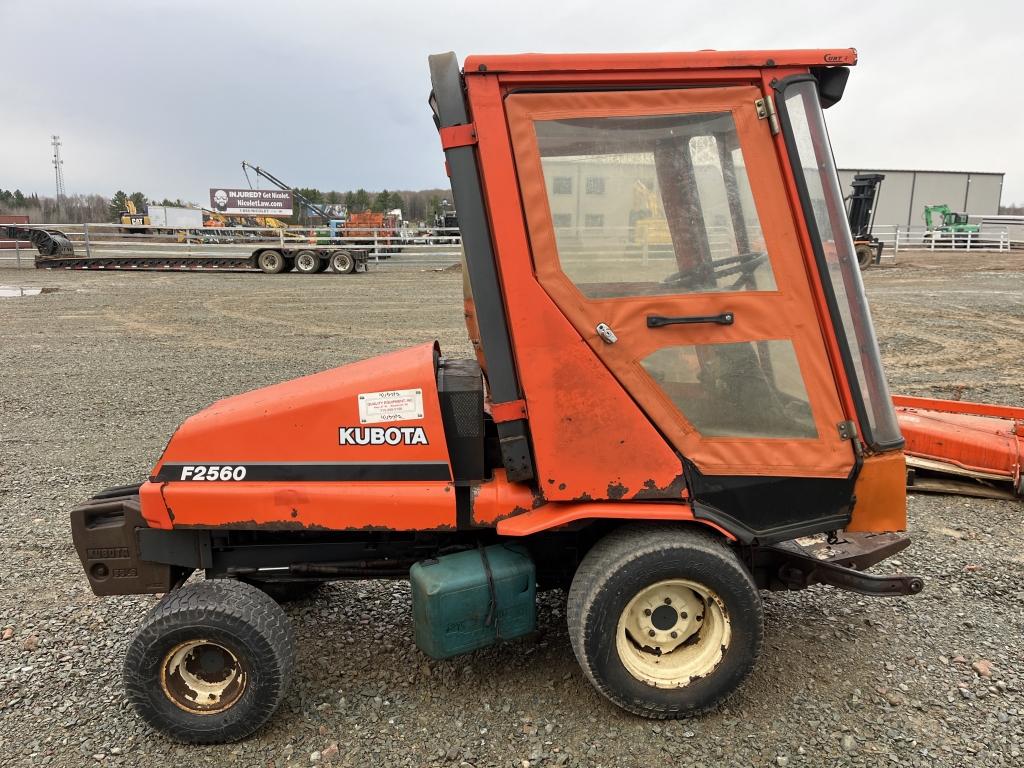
{"points": [[97, 374]]}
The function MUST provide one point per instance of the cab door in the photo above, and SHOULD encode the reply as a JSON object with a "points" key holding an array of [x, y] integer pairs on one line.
{"points": [[660, 226]]}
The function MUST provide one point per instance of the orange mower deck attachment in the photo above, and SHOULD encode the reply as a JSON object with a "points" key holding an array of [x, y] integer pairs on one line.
{"points": [[676, 401], [973, 449]]}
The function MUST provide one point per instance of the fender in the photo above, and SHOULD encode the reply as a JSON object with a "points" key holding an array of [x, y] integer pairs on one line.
{"points": [[554, 515]]}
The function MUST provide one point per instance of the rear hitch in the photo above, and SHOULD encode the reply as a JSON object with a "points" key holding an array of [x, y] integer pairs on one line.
{"points": [[802, 563]]}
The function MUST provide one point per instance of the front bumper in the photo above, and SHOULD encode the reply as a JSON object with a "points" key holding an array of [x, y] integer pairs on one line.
{"points": [[105, 532]]}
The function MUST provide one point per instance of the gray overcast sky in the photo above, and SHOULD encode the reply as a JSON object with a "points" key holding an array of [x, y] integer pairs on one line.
{"points": [[168, 96]]}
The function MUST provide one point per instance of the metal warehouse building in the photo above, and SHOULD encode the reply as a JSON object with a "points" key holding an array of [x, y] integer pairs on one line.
{"points": [[904, 194]]}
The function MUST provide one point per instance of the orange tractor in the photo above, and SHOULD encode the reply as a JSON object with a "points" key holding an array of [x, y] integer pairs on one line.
{"points": [[660, 433]]}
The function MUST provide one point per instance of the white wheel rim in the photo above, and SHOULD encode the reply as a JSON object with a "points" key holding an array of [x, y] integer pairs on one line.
{"points": [[270, 260], [193, 683], [673, 632], [341, 262], [305, 261]]}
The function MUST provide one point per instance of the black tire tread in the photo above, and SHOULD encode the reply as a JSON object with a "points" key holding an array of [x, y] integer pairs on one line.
{"points": [[198, 604], [616, 550]]}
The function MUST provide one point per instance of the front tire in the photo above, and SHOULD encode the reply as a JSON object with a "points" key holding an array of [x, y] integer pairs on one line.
{"points": [[865, 255], [211, 662], [664, 620]]}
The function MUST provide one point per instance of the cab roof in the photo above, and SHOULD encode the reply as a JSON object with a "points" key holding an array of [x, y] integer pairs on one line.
{"points": [[545, 63]]}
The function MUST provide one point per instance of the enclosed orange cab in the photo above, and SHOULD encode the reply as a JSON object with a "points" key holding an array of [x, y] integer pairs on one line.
{"points": [[677, 400]]}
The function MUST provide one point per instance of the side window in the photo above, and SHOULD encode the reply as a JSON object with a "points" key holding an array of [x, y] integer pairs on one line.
{"points": [[675, 206]]}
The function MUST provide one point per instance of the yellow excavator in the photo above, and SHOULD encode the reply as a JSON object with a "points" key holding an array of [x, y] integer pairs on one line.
{"points": [[130, 217], [650, 227]]}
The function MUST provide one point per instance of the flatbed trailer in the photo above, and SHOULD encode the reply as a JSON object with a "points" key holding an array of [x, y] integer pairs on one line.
{"points": [[55, 250], [270, 260]]}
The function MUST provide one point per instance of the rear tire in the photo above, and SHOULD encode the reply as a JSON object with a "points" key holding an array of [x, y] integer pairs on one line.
{"points": [[271, 262], [211, 662], [343, 262], [664, 620], [307, 262]]}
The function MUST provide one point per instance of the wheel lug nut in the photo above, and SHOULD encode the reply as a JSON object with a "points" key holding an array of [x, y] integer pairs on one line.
{"points": [[700, 618], [647, 611], [651, 633], [674, 634], [668, 601], [684, 615]]}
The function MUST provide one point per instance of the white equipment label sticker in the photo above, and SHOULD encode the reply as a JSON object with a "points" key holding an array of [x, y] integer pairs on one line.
{"points": [[395, 405]]}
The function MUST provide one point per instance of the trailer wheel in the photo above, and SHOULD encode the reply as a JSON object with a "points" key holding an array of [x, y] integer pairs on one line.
{"points": [[271, 262], [664, 620], [307, 262], [211, 662], [865, 255], [343, 263]]}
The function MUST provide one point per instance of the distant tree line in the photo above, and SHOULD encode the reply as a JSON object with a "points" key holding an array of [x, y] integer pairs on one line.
{"points": [[416, 205], [73, 209]]}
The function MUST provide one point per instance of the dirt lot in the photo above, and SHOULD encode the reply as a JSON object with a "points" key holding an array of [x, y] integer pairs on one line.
{"points": [[95, 376]]}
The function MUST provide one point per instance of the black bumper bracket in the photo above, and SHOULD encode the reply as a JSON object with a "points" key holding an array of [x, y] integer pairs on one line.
{"points": [[799, 564]]}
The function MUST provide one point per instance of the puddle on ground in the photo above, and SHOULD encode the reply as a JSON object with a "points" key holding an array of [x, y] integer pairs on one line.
{"points": [[17, 291]]}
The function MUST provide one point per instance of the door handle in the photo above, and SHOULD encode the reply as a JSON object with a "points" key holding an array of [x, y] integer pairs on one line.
{"points": [[657, 321]]}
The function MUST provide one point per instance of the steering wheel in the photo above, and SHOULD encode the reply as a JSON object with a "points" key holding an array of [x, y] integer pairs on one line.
{"points": [[743, 265]]}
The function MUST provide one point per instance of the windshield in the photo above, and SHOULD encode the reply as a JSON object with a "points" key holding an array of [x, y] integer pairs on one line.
{"points": [[816, 174]]}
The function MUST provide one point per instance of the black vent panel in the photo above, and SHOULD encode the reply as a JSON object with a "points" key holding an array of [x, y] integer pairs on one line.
{"points": [[460, 388]]}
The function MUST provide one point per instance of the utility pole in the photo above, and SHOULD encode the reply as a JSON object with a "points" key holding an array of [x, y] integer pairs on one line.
{"points": [[58, 169]]}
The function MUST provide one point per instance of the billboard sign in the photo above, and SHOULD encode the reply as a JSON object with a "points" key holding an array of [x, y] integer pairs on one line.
{"points": [[251, 202]]}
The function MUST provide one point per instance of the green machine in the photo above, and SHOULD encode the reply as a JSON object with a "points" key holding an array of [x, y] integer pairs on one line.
{"points": [[941, 221]]}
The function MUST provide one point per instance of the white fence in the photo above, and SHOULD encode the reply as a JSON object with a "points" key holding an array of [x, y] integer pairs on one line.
{"points": [[408, 246], [900, 237], [436, 247]]}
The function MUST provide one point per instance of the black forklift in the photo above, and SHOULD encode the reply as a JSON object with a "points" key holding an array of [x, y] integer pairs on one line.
{"points": [[862, 218]]}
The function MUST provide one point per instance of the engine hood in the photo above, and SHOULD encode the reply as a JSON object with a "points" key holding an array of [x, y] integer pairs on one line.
{"points": [[381, 409]]}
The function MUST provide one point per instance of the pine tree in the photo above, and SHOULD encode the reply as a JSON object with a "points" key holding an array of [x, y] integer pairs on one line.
{"points": [[118, 203], [361, 202]]}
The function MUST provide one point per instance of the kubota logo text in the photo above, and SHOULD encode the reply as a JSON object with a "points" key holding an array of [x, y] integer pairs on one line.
{"points": [[382, 436]]}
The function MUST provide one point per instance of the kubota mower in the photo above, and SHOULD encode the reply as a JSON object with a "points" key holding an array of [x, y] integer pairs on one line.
{"points": [[660, 425]]}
